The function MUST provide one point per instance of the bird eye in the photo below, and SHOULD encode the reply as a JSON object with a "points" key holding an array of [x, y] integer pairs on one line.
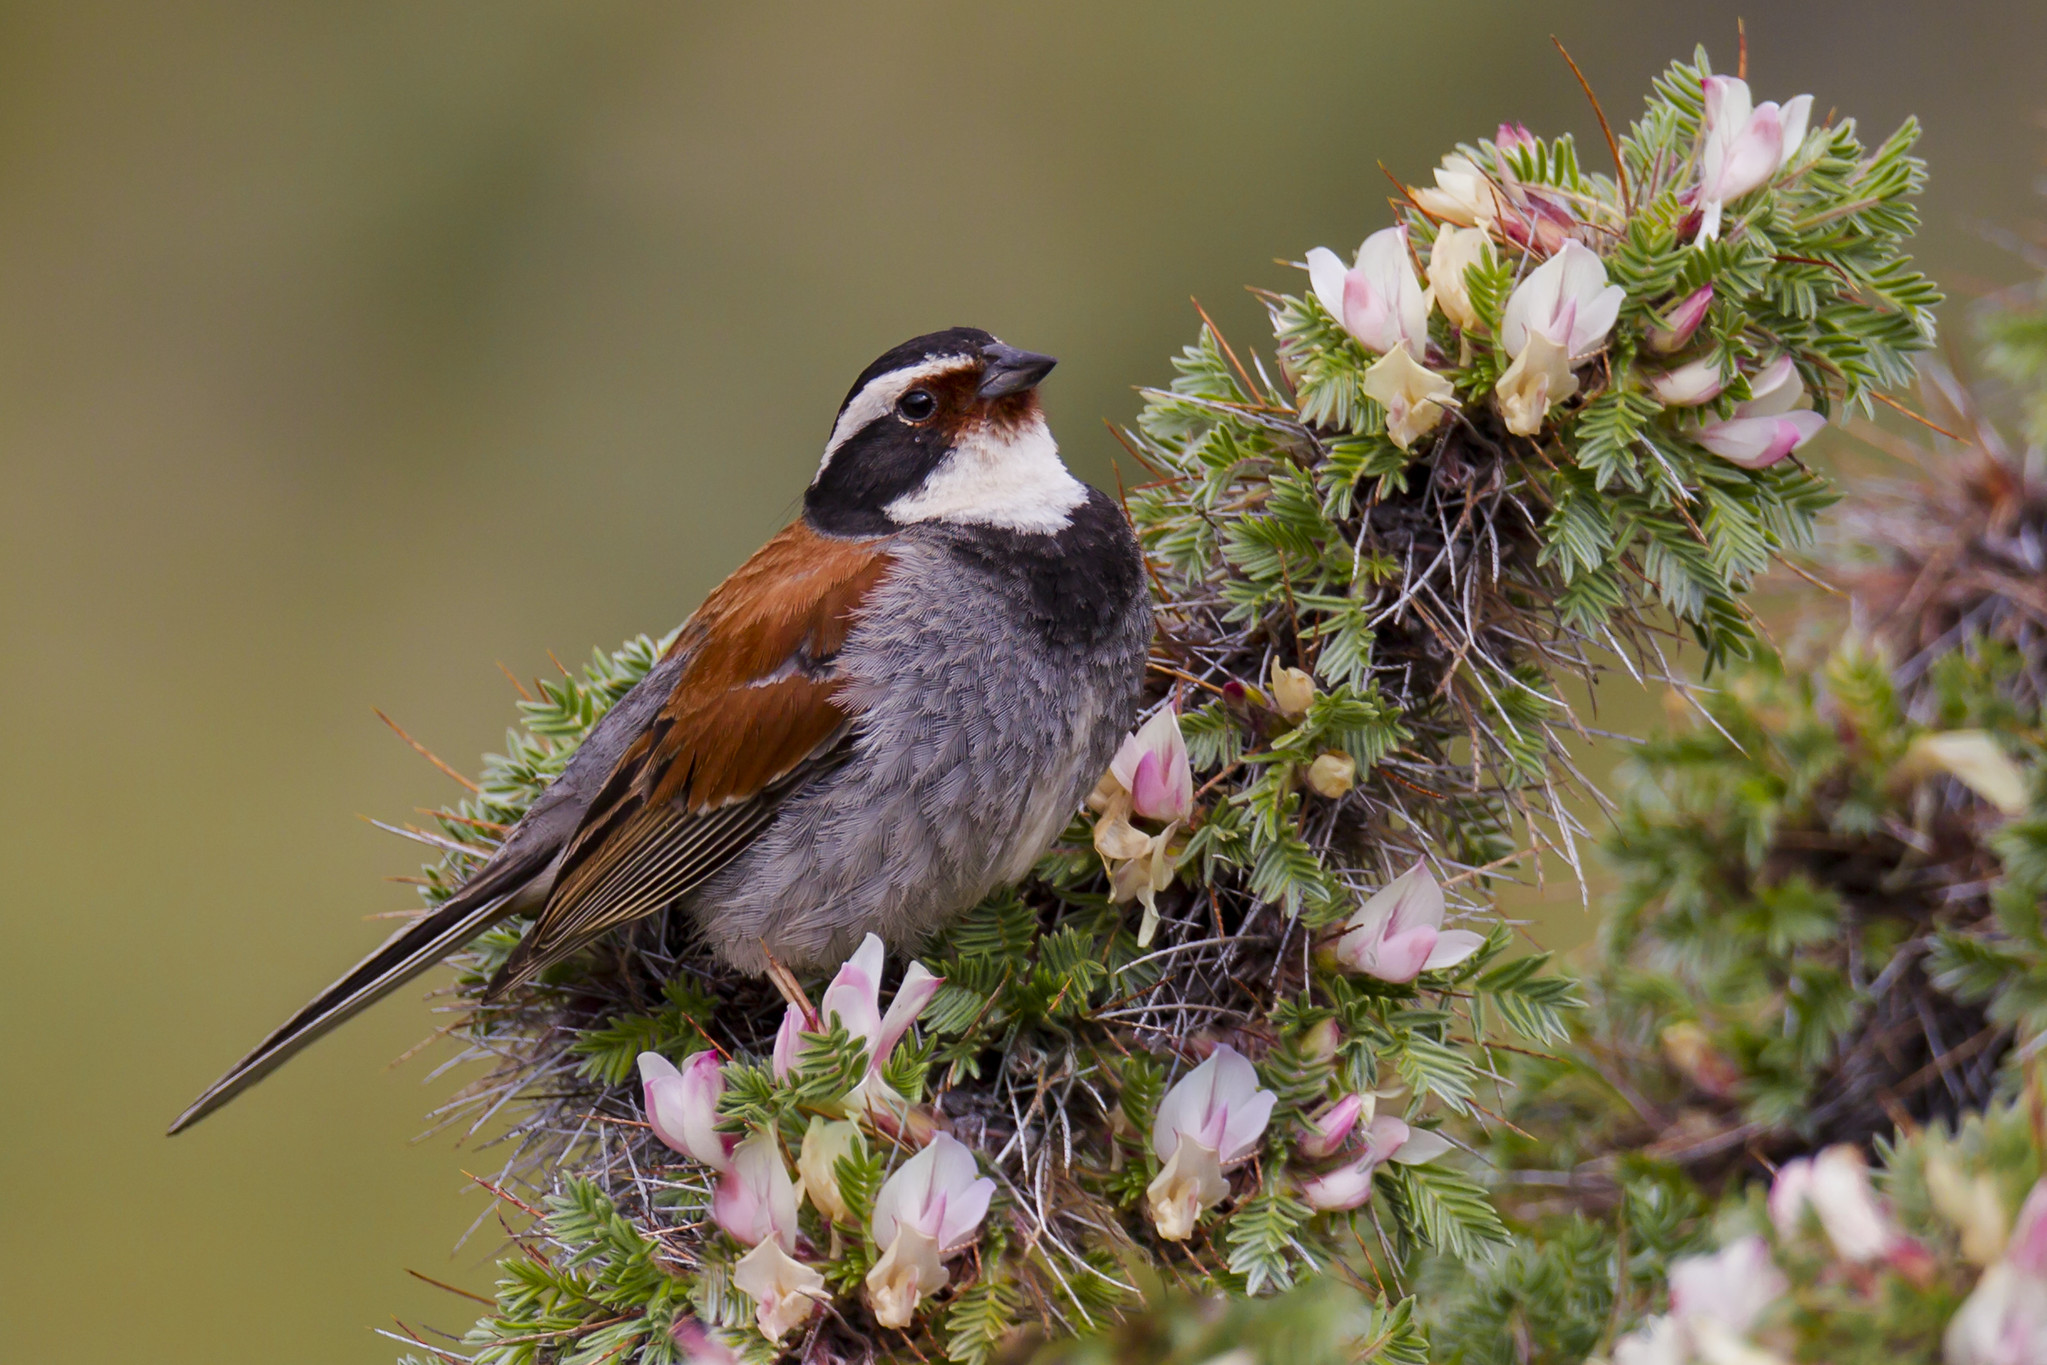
{"points": [[916, 406]]}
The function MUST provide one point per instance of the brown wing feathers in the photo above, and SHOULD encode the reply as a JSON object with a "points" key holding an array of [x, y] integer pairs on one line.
{"points": [[755, 712]]}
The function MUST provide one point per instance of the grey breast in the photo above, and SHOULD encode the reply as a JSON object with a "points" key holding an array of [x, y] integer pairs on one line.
{"points": [[980, 732]]}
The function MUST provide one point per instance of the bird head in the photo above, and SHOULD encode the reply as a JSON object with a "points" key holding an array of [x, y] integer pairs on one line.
{"points": [[944, 428]]}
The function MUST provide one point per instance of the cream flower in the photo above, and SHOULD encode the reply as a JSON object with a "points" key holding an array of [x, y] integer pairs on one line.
{"points": [[784, 1290], [1463, 194], [1456, 251], [824, 1142], [1977, 761], [1539, 377], [1414, 396]]}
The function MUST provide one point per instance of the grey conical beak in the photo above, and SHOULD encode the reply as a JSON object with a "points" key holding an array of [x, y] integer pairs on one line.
{"points": [[1011, 371]]}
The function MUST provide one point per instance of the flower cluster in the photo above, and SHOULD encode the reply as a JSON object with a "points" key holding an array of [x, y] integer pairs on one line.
{"points": [[1493, 220], [928, 1209]]}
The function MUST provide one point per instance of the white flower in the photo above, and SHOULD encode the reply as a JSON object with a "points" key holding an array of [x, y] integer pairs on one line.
{"points": [[1208, 1122], [1764, 429], [756, 1200], [682, 1106], [1687, 386], [1835, 1185], [1463, 194], [1714, 1303], [1386, 1139], [1557, 317], [2004, 1320], [1566, 299], [1378, 300], [824, 1142], [1457, 250], [854, 999], [1730, 1288], [1397, 934], [1414, 396], [1745, 145], [926, 1211], [1152, 766], [784, 1290]]}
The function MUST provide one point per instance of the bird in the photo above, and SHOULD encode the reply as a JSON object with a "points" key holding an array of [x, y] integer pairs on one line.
{"points": [[891, 709]]}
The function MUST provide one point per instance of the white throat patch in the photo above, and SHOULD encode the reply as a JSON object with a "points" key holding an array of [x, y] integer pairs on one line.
{"points": [[1013, 479], [879, 398]]}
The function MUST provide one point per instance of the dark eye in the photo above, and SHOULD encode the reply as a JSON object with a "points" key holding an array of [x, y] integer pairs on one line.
{"points": [[916, 406]]}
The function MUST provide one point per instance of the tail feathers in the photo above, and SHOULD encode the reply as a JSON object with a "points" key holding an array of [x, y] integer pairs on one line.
{"points": [[406, 956]]}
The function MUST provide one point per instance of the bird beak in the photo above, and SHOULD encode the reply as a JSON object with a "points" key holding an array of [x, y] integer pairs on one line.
{"points": [[1009, 370]]}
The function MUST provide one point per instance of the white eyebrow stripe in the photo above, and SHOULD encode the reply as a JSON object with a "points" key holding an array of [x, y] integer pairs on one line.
{"points": [[880, 395]]}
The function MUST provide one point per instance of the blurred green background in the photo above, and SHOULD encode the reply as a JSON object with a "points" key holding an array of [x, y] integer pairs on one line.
{"points": [[348, 349]]}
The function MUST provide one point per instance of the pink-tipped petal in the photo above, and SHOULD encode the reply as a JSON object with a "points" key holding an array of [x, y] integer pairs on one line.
{"points": [[918, 987], [1346, 1187], [788, 1042], [1759, 442], [1421, 1145], [855, 993]]}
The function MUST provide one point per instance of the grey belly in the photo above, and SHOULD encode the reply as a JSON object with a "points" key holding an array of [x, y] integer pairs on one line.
{"points": [[977, 742]]}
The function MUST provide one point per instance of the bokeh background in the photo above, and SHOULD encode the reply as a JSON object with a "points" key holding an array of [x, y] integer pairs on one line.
{"points": [[346, 350]]}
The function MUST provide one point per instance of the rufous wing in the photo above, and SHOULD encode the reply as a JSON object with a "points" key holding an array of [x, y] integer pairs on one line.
{"points": [[757, 711]]}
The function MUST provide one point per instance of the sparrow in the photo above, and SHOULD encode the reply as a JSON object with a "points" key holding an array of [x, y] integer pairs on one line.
{"points": [[893, 708]]}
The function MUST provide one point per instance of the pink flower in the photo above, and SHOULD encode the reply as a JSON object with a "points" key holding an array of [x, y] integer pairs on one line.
{"points": [[1386, 1139], [854, 999], [1764, 429], [926, 1211], [1745, 146], [1835, 1186], [2004, 1320], [1327, 1134], [1674, 332], [789, 1042], [756, 1200], [1152, 766], [1397, 934], [1209, 1121], [1514, 136], [682, 1106], [1378, 300], [1688, 385]]}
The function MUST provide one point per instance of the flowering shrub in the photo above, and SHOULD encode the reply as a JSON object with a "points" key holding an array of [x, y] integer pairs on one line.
{"points": [[1233, 1033]]}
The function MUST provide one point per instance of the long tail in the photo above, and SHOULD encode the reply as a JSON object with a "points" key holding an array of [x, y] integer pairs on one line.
{"points": [[405, 956]]}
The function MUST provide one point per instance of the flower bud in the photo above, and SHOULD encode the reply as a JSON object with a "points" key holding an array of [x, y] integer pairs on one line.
{"points": [[817, 1165], [1333, 774], [1674, 332], [1292, 691]]}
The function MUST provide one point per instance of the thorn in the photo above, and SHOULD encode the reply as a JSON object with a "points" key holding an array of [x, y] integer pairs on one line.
{"points": [[1613, 148], [426, 753], [562, 667], [451, 1288], [1741, 37], [513, 679], [505, 1194]]}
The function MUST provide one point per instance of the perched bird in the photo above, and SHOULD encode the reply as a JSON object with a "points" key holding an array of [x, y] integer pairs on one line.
{"points": [[891, 709]]}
